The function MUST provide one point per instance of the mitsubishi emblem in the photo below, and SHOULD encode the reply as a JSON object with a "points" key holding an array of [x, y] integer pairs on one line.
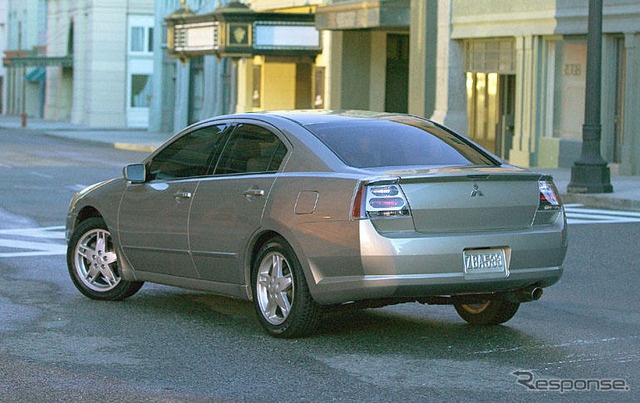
{"points": [[476, 191]]}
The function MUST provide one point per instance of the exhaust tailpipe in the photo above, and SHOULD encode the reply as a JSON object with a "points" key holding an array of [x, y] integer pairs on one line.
{"points": [[536, 293], [529, 294]]}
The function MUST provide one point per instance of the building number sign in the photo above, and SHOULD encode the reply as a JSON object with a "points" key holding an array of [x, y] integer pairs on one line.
{"points": [[572, 70]]}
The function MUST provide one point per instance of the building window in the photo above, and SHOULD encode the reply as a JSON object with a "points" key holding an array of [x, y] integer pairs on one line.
{"points": [[490, 55], [141, 39], [140, 91], [137, 39]]}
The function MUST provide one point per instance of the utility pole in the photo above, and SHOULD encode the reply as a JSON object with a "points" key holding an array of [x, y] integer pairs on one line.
{"points": [[590, 173]]}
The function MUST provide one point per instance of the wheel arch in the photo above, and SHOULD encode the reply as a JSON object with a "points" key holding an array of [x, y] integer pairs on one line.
{"points": [[85, 213], [258, 241]]}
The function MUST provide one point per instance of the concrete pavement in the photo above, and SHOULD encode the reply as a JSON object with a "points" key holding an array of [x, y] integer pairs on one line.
{"points": [[625, 196]]}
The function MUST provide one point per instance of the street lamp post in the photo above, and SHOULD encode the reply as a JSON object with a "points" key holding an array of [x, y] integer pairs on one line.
{"points": [[590, 173]]}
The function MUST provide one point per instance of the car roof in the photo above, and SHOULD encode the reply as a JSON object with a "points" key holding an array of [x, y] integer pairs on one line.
{"points": [[314, 117]]}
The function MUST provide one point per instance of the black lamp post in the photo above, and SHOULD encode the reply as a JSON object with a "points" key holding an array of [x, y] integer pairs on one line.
{"points": [[590, 173]]}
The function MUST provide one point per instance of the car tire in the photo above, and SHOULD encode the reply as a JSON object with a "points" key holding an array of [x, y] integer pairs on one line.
{"points": [[93, 263], [491, 312], [281, 296]]}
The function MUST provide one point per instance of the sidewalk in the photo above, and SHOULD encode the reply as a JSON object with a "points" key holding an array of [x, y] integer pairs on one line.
{"points": [[625, 196], [128, 139]]}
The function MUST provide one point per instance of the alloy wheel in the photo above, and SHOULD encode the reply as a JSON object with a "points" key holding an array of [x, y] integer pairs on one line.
{"points": [[96, 261]]}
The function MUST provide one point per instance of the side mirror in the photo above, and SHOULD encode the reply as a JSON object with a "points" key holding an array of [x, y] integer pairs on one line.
{"points": [[135, 173]]}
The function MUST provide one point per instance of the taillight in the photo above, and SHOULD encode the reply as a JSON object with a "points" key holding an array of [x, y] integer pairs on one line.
{"points": [[375, 200], [549, 199]]}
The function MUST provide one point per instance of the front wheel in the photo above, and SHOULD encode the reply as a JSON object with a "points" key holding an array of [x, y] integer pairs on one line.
{"points": [[490, 312], [93, 263], [281, 295]]}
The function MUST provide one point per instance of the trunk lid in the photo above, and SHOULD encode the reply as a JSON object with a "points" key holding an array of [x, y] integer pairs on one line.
{"points": [[457, 199]]}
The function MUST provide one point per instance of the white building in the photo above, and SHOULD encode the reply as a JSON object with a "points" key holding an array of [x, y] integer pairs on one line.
{"points": [[111, 44]]}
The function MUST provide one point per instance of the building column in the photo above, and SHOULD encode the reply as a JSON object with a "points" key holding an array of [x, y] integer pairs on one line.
{"points": [[631, 142], [333, 79], [181, 110], [451, 94], [529, 95], [422, 66], [356, 69], [245, 85], [377, 76]]}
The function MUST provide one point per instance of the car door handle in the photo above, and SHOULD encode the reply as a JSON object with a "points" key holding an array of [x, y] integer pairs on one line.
{"points": [[182, 195], [253, 192]]}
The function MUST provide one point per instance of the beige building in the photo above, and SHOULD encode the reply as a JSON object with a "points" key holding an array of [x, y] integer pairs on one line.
{"points": [[110, 43], [509, 74]]}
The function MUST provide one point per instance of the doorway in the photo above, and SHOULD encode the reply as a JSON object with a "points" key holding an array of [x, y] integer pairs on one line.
{"points": [[397, 74], [491, 110]]}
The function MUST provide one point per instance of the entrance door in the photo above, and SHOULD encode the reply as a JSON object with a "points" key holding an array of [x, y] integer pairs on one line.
{"points": [[490, 109], [506, 122], [397, 79]]}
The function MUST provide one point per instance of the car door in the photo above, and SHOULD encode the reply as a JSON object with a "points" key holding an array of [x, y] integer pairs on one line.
{"points": [[153, 216], [228, 206]]}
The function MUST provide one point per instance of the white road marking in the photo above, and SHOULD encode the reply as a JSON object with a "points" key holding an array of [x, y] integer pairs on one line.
{"points": [[23, 242], [41, 175], [577, 214]]}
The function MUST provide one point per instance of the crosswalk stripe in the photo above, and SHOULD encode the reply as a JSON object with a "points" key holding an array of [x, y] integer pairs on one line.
{"points": [[577, 214], [22, 242]]}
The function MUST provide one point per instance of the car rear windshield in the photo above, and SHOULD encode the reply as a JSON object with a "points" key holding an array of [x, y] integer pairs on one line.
{"points": [[382, 143]]}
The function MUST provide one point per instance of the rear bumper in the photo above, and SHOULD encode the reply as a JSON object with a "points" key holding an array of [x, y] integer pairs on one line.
{"points": [[419, 265]]}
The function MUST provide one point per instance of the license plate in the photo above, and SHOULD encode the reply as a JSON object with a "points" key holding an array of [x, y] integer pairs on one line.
{"points": [[485, 261]]}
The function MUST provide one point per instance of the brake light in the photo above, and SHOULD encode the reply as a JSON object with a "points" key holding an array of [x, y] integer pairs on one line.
{"points": [[379, 201], [549, 199]]}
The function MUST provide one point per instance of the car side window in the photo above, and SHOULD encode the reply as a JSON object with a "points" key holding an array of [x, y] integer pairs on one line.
{"points": [[251, 149], [189, 155]]}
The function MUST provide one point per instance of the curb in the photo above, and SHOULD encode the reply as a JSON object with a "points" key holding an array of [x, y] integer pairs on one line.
{"points": [[601, 201], [136, 147]]}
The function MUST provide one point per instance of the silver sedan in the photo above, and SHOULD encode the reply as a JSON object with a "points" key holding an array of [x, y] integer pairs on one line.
{"points": [[299, 211]]}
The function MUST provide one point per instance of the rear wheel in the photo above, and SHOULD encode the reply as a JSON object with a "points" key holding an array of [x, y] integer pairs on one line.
{"points": [[93, 263], [490, 312], [281, 295]]}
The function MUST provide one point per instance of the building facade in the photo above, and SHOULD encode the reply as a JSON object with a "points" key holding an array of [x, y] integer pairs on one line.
{"points": [[3, 46], [109, 82], [189, 92], [514, 80], [525, 73]]}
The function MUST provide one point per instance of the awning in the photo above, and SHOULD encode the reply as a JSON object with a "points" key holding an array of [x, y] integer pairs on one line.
{"points": [[371, 14], [42, 61], [36, 74]]}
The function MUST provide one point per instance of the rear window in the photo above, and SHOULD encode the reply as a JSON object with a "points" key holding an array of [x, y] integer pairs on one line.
{"points": [[382, 143]]}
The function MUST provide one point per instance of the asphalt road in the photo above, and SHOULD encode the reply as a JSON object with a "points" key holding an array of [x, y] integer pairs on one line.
{"points": [[167, 344]]}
